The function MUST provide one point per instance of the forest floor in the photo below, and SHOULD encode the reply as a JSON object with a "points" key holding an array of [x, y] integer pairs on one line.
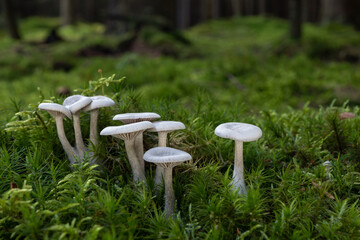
{"points": [[233, 70]]}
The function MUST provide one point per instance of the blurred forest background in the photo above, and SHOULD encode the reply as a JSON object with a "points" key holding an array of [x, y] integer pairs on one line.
{"points": [[199, 45]]}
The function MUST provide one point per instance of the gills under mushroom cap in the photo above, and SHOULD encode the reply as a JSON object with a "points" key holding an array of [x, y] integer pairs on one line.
{"points": [[136, 117], [161, 155], [99, 102], [54, 107], [124, 129], [238, 131], [76, 102], [166, 126]]}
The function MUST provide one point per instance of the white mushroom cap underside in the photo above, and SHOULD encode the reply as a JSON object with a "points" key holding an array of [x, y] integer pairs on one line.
{"points": [[165, 126], [54, 107], [137, 116], [129, 128], [99, 102], [76, 102], [243, 132], [166, 155]]}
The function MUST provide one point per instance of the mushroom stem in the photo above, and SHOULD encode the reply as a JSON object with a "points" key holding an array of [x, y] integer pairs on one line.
{"points": [[169, 193], [159, 174], [69, 150], [78, 137], [139, 147], [138, 173], [94, 126], [238, 182]]}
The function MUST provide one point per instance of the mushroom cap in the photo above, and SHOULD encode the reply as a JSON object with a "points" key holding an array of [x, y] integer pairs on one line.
{"points": [[243, 132], [166, 156], [166, 126], [55, 108], [99, 102], [127, 131], [76, 102], [136, 117]]}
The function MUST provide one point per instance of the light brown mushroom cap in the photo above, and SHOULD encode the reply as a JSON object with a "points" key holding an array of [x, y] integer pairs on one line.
{"points": [[99, 102], [166, 126], [136, 117], [127, 132], [76, 102], [243, 132], [55, 108], [166, 156]]}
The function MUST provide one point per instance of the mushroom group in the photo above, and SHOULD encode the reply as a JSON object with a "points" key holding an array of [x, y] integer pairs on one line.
{"points": [[132, 133], [71, 108]]}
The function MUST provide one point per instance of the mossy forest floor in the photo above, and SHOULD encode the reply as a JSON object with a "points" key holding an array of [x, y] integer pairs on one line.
{"points": [[234, 70]]}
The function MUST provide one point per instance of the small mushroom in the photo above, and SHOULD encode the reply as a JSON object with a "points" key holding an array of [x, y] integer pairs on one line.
{"points": [[97, 103], [58, 112], [240, 132], [163, 128], [128, 133], [127, 118], [75, 104], [167, 158]]}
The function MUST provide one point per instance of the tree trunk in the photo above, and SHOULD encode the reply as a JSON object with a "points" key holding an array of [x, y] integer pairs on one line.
{"points": [[295, 19], [215, 9], [236, 7], [183, 14], [10, 19], [262, 7], [203, 10], [67, 12]]}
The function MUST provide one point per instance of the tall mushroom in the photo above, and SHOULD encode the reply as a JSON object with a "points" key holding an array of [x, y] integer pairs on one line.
{"points": [[97, 103], [167, 158], [163, 128], [240, 132], [128, 133], [75, 104], [127, 118], [58, 112]]}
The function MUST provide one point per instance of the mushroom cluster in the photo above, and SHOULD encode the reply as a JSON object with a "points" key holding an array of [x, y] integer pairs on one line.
{"points": [[134, 125], [71, 108], [132, 133]]}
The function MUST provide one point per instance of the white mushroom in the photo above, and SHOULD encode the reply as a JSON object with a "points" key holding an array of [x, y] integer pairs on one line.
{"points": [[58, 112], [127, 118], [240, 132], [76, 103], [163, 128], [128, 133], [167, 158], [97, 103]]}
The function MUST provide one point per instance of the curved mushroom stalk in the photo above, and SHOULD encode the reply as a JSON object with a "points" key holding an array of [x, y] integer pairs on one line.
{"points": [[94, 138], [169, 192], [128, 133], [97, 103], [69, 150], [139, 148], [160, 172], [58, 112], [128, 118], [238, 182], [75, 104], [167, 158], [79, 143], [137, 169], [163, 128]]}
